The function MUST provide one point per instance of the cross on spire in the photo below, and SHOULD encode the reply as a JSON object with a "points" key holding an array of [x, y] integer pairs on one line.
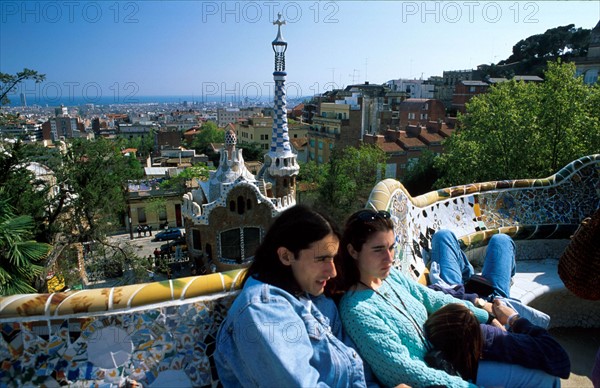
{"points": [[279, 22]]}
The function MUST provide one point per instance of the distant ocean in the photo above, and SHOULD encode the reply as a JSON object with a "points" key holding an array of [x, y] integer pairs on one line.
{"points": [[15, 101]]}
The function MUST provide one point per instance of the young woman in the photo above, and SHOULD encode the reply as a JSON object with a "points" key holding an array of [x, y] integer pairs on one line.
{"points": [[282, 330], [462, 341], [384, 313]]}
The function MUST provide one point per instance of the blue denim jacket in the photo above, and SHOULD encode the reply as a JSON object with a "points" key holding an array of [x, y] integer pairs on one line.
{"points": [[271, 338]]}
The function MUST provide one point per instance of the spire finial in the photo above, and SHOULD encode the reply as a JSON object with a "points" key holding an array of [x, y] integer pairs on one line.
{"points": [[279, 22]]}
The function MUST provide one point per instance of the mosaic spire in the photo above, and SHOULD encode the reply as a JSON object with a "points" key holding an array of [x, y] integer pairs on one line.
{"points": [[283, 160]]}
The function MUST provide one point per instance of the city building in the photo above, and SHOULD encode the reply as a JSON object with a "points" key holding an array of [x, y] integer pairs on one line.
{"points": [[258, 130], [343, 117], [464, 90], [232, 115], [414, 88], [62, 126], [404, 147], [228, 215], [589, 66], [27, 131], [444, 90], [150, 204], [419, 111]]}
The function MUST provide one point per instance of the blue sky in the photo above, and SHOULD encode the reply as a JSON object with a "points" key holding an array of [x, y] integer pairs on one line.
{"points": [[219, 48]]}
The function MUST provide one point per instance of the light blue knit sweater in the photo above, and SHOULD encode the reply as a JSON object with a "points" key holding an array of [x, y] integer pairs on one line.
{"points": [[388, 340]]}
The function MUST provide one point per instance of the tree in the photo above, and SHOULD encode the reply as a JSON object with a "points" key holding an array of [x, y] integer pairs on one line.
{"points": [[522, 130], [84, 200], [349, 179], [531, 55], [421, 176], [198, 171], [8, 82], [209, 133], [20, 255], [252, 152]]}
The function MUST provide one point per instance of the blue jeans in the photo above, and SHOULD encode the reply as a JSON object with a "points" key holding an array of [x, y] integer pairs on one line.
{"points": [[498, 268], [499, 374]]}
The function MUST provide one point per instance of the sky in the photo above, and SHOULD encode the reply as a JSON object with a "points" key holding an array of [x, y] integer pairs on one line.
{"points": [[220, 48]]}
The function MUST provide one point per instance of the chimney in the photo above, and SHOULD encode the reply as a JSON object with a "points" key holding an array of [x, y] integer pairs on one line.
{"points": [[413, 130]]}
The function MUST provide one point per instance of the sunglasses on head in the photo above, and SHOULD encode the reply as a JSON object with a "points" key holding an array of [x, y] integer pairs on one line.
{"points": [[367, 216]]}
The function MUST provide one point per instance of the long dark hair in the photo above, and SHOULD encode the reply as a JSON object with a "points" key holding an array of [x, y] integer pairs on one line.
{"points": [[455, 332], [295, 229], [359, 227]]}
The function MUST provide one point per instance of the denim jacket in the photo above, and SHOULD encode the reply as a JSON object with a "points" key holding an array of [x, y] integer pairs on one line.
{"points": [[271, 338]]}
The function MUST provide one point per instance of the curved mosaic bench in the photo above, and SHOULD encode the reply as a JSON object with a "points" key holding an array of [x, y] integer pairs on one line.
{"points": [[158, 334], [163, 333], [539, 214]]}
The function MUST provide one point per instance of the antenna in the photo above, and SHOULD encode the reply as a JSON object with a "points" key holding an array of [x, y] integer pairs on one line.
{"points": [[366, 67], [354, 75], [332, 76]]}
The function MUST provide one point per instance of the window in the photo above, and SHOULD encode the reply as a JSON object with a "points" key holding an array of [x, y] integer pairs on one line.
{"points": [[241, 205], [197, 243], [239, 244], [411, 115], [423, 116], [141, 212], [472, 89], [162, 213], [320, 145]]}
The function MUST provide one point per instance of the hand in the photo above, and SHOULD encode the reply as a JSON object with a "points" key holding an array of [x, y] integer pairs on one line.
{"points": [[498, 324], [502, 311], [487, 306]]}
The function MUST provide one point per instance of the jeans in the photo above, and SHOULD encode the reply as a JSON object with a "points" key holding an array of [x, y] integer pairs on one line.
{"points": [[498, 268], [450, 265], [499, 374]]}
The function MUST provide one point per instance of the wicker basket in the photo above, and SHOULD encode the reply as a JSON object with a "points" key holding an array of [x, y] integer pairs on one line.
{"points": [[579, 265]]}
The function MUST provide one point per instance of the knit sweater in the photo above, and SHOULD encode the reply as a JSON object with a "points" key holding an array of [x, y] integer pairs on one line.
{"points": [[388, 340]]}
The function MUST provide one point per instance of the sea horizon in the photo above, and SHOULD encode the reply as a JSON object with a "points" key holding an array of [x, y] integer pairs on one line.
{"points": [[190, 100]]}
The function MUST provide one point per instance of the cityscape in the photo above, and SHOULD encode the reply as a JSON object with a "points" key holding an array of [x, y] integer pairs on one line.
{"points": [[149, 158]]}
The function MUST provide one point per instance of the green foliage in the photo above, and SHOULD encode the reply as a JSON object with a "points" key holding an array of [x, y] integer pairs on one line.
{"points": [[312, 173], [143, 144], [209, 133], [421, 176], [523, 130], [20, 255], [531, 55], [8, 82], [348, 180], [252, 152], [198, 171]]}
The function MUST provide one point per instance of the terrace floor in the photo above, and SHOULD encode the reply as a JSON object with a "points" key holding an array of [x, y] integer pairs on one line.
{"points": [[582, 345]]}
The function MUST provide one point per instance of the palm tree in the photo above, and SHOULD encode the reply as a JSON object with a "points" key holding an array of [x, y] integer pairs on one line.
{"points": [[19, 255]]}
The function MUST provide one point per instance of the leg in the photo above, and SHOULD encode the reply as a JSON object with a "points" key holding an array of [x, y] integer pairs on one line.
{"points": [[499, 374], [499, 265], [455, 268]]}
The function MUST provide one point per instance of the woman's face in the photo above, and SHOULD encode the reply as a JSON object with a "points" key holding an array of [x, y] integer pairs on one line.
{"points": [[376, 257], [314, 266]]}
